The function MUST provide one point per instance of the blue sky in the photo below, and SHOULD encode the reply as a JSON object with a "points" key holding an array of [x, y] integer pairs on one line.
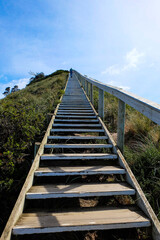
{"points": [[114, 41]]}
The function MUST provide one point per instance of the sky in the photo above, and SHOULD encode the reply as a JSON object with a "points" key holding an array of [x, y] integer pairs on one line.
{"points": [[114, 41]]}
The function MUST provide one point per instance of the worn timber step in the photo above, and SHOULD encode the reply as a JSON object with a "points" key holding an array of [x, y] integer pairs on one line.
{"points": [[101, 219], [79, 190], [78, 156], [75, 130], [73, 146], [76, 125], [78, 170], [75, 111], [68, 116], [76, 114], [77, 137], [77, 120], [75, 108]]}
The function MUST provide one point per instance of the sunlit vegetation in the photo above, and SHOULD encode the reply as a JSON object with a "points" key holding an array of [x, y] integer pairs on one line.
{"points": [[22, 122]]}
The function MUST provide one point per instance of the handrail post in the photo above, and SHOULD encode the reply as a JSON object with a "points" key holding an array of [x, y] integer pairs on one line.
{"points": [[101, 103], [87, 88], [91, 93], [85, 85], [121, 125]]}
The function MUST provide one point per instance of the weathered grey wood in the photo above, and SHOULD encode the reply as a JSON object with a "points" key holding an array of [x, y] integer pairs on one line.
{"points": [[121, 125], [78, 120], [77, 130], [65, 116], [75, 113], [78, 170], [78, 156], [71, 146], [79, 190], [76, 125], [91, 93], [144, 106], [36, 147], [101, 219], [78, 137], [101, 103]]}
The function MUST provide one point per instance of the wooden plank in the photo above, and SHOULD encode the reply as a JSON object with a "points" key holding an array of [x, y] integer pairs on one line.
{"points": [[79, 190], [101, 219], [77, 137], [76, 114], [77, 120], [101, 103], [121, 125], [75, 125], [80, 156], [79, 117], [78, 146], [77, 130], [78, 170]]}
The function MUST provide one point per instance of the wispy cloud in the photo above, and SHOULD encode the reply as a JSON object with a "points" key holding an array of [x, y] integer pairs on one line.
{"points": [[118, 84], [132, 60], [20, 82]]}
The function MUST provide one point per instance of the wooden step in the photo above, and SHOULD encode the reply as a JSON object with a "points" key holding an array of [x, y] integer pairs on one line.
{"points": [[77, 120], [101, 219], [85, 116], [79, 190], [79, 146], [78, 170], [76, 114], [75, 111], [76, 125], [77, 137], [86, 130], [78, 156]]}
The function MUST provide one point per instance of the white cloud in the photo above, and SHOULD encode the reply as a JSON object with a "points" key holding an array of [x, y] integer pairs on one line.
{"points": [[20, 82], [132, 60], [119, 85]]}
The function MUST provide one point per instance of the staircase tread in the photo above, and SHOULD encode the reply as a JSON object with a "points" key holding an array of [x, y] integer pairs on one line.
{"points": [[78, 145], [79, 156], [79, 137], [104, 218], [79, 190], [80, 169]]}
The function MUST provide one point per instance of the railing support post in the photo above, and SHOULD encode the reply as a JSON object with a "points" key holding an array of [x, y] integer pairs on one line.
{"points": [[91, 93], [36, 147], [85, 85], [101, 103], [87, 90], [121, 125]]}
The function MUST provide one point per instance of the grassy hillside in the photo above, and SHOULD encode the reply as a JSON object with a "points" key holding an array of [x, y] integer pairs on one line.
{"points": [[22, 122], [142, 146]]}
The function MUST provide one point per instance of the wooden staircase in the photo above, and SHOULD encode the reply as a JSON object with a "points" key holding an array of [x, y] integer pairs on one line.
{"points": [[81, 164]]}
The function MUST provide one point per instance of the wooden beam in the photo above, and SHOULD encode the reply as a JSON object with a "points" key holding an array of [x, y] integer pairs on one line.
{"points": [[121, 125], [101, 103], [91, 93]]}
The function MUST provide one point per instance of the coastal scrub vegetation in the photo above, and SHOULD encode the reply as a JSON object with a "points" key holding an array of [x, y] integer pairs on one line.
{"points": [[22, 122]]}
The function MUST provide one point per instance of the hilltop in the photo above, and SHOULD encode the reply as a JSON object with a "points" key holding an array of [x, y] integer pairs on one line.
{"points": [[23, 120]]}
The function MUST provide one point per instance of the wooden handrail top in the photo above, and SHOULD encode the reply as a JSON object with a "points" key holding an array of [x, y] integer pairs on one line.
{"points": [[146, 107]]}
